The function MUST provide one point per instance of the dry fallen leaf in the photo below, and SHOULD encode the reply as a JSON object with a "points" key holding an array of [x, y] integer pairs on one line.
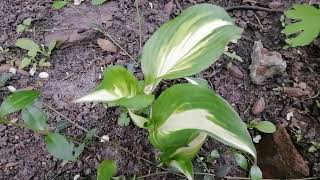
{"points": [[107, 45], [235, 71], [258, 106]]}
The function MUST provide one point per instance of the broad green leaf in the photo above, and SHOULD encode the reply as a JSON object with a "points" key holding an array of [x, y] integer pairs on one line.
{"points": [[106, 170], [97, 2], [241, 160], [137, 119], [51, 46], [184, 166], [58, 4], [34, 118], [4, 78], [27, 22], [187, 108], [307, 26], [25, 62], [265, 126], [17, 101], [123, 119], [198, 81], [215, 154], [20, 28], [187, 44], [136, 102], [118, 83], [59, 147], [255, 173], [78, 150], [28, 44]]}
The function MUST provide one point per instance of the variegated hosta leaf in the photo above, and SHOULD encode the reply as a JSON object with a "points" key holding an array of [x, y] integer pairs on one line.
{"points": [[187, 44], [137, 119], [187, 107], [184, 166], [118, 83]]}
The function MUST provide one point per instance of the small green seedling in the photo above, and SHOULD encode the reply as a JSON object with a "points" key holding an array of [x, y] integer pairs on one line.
{"points": [[34, 118], [181, 118], [106, 170], [306, 26], [263, 126], [38, 54], [24, 25], [58, 4]]}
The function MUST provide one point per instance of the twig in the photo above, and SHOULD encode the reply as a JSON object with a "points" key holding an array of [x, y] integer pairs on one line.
{"points": [[246, 7], [258, 20], [203, 164], [152, 174], [139, 22]]}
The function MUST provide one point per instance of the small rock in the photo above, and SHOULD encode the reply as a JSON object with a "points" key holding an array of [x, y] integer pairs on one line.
{"points": [[107, 45], [278, 157], [275, 5], [77, 2], [11, 88], [295, 92], [257, 139], [104, 138], [258, 106], [43, 75], [13, 70], [289, 115], [265, 64], [32, 71], [76, 177]]}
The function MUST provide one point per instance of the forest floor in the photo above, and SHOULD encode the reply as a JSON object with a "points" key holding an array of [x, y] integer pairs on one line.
{"points": [[76, 67]]}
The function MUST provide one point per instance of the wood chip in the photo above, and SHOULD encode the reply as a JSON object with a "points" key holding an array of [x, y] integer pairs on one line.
{"points": [[107, 45]]}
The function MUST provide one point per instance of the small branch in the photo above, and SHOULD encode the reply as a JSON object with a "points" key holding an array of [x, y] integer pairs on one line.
{"points": [[246, 7]]}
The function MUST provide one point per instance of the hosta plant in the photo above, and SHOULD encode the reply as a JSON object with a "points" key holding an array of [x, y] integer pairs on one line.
{"points": [[182, 117]]}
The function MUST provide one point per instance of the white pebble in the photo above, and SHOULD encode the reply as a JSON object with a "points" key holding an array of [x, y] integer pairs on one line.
{"points": [[32, 71], [257, 139], [76, 177], [11, 88], [43, 75], [151, 5], [104, 138], [77, 2], [289, 116], [13, 70]]}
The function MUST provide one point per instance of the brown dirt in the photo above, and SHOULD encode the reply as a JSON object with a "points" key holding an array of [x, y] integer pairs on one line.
{"points": [[23, 154]]}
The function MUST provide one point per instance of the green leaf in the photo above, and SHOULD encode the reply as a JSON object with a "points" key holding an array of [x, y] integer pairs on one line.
{"points": [[138, 120], [118, 84], [184, 166], [241, 160], [185, 108], [59, 147], [187, 44], [27, 22], [90, 134], [307, 26], [106, 170], [255, 173], [198, 81], [51, 46], [28, 44], [97, 2], [4, 78], [136, 102], [57, 4], [25, 62], [264, 126], [17, 101], [78, 150], [215, 154], [123, 120], [34, 118], [20, 28], [222, 171]]}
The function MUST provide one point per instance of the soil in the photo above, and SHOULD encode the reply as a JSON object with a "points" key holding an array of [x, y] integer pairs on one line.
{"points": [[75, 71]]}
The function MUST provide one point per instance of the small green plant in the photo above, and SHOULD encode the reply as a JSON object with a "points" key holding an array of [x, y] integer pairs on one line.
{"points": [[34, 118], [58, 4], [181, 118], [306, 26], [37, 54], [24, 25], [263, 126]]}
